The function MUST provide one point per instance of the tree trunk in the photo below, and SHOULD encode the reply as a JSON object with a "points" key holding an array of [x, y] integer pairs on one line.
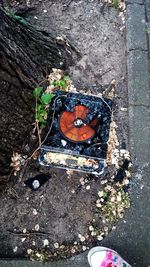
{"points": [[26, 57]]}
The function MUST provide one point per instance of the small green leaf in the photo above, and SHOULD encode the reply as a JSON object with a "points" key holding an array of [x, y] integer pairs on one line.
{"points": [[43, 124], [40, 118], [37, 91], [46, 98], [55, 83], [62, 83], [39, 107], [42, 112]]}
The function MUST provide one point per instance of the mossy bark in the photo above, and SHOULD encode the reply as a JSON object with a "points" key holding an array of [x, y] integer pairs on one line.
{"points": [[26, 57]]}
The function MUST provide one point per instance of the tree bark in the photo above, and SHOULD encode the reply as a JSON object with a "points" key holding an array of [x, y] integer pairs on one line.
{"points": [[26, 57]]}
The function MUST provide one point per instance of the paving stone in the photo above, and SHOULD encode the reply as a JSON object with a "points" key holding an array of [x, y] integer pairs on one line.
{"points": [[77, 261], [134, 1], [139, 135], [148, 31], [136, 27], [138, 78], [148, 10], [20, 263], [131, 238]]}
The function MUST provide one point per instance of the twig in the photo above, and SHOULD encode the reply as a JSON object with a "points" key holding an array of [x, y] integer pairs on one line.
{"points": [[41, 142], [37, 122], [27, 234], [110, 87], [106, 103]]}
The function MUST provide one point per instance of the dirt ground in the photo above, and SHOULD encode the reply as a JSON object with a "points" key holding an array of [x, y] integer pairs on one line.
{"points": [[62, 209]]}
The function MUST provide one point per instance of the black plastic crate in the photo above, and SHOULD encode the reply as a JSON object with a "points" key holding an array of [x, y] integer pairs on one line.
{"points": [[78, 127]]}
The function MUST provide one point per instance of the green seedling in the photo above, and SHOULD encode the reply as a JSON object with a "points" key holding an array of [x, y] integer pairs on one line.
{"points": [[42, 102]]}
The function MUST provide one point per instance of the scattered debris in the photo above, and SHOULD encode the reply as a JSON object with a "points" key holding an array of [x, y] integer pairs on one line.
{"points": [[56, 245], [100, 238], [81, 237], [113, 143], [34, 212], [59, 81], [37, 227], [17, 160], [15, 249], [88, 187], [29, 251], [124, 109], [115, 203], [45, 242], [24, 231], [84, 248]]}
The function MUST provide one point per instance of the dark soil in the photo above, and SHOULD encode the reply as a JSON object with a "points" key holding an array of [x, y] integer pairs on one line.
{"points": [[93, 29]]}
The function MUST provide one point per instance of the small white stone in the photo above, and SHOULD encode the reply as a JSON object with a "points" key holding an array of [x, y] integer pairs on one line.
{"points": [[100, 193], [36, 227], [98, 205], [75, 243], [82, 181], [35, 17], [82, 238], [24, 230], [45, 242], [56, 245], [126, 181], [62, 247], [93, 233], [73, 191], [35, 184], [108, 187], [38, 255], [122, 28], [45, 11], [34, 212], [122, 151], [73, 250], [123, 109], [64, 143], [104, 181], [112, 199], [15, 249], [23, 239], [91, 228], [29, 251], [84, 248], [118, 198], [88, 187], [114, 161], [99, 238], [27, 198], [33, 243]]}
